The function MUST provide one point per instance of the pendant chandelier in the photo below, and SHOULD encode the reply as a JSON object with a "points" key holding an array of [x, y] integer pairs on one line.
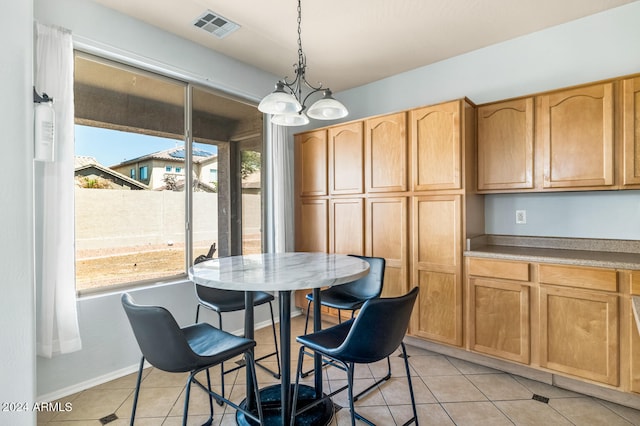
{"points": [[286, 104]]}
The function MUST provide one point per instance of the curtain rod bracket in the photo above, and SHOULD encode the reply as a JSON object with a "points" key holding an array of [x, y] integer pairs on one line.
{"points": [[40, 99]]}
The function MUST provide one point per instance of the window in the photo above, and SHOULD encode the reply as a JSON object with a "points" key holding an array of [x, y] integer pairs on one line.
{"points": [[144, 173], [135, 232], [250, 170], [219, 154]]}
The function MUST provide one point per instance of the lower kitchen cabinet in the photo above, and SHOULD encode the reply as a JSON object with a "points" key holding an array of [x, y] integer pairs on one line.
{"points": [[570, 320], [386, 236], [502, 332], [346, 226], [498, 316], [635, 356], [312, 233], [438, 313], [579, 333], [437, 268], [634, 335]]}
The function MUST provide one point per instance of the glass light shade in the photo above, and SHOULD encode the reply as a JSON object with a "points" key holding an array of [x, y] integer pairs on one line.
{"points": [[279, 102], [290, 119], [327, 108]]}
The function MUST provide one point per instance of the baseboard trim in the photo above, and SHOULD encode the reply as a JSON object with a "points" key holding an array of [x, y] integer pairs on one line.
{"points": [[96, 381], [116, 374], [612, 395]]}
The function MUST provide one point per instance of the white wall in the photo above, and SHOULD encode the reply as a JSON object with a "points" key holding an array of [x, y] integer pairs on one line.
{"points": [[17, 318], [96, 28], [597, 47], [108, 345], [598, 214]]}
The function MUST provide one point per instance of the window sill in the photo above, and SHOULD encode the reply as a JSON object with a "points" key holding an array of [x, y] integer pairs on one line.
{"points": [[137, 285]]}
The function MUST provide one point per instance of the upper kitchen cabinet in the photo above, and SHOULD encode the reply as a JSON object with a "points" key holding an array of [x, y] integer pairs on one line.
{"points": [[311, 163], [386, 153], [575, 137], [346, 159], [631, 132], [505, 145], [436, 135]]}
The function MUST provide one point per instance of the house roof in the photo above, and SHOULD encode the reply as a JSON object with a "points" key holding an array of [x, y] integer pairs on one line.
{"points": [[171, 154], [85, 165], [198, 185]]}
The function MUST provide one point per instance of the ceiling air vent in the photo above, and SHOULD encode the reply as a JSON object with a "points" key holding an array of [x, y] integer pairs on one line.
{"points": [[215, 24]]}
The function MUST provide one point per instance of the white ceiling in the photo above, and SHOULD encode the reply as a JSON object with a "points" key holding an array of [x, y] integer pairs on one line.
{"points": [[353, 42]]}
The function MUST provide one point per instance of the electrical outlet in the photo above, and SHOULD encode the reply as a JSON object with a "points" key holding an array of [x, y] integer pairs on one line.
{"points": [[521, 217]]}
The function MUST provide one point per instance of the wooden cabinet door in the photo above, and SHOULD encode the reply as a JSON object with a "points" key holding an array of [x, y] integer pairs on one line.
{"points": [[575, 133], [579, 333], [505, 145], [631, 131], [346, 159], [635, 353], [499, 319], [387, 237], [436, 250], [312, 226], [435, 145], [311, 163], [386, 153], [346, 219]]}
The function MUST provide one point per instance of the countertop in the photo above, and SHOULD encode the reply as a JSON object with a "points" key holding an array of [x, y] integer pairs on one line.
{"points": [[617, 254]]}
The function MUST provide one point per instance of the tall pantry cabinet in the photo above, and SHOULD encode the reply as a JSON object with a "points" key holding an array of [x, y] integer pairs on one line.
{"points": [[444, 212], [396, 186]]}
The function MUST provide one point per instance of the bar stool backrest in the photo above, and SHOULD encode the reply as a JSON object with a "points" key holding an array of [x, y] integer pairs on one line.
{"points": [[370, 285], [378, 329], [159, 337]]}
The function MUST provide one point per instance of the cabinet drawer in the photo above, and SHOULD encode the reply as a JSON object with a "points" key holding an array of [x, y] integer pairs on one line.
{"points": [[572, 276], [499, 269]]}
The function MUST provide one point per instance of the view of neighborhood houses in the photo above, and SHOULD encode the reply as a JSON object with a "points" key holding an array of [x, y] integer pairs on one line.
{"points": [[133, 229], [155, 171]]}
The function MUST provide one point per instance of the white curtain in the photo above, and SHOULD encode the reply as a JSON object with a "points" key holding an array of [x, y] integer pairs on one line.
{"points": [[57, 318], [283, 211]]}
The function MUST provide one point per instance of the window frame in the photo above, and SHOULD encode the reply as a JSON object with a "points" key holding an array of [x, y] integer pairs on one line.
{"points": [[190, 84], [144, 173]]}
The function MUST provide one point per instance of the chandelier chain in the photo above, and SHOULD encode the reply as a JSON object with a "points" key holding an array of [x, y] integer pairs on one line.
{"points": [[288, 104], [300, 54]]}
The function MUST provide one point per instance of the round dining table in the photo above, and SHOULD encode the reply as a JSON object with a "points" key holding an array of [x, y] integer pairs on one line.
{"points": [[282, 273]]}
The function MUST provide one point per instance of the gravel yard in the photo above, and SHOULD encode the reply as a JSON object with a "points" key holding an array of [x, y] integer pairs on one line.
{"points": [[96, 269]]}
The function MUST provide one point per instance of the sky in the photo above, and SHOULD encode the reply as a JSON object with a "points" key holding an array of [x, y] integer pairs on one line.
{"points": [[111, 147]]}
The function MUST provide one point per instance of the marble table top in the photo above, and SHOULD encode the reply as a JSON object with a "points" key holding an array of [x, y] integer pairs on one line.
{"points": [[278, 271]]}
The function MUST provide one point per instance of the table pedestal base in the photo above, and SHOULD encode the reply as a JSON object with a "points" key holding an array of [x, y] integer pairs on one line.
{"points": [[320, 415]]}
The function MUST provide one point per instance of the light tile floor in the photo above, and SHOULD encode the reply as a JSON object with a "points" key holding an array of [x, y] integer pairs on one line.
{"points": [[448, 391]]}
